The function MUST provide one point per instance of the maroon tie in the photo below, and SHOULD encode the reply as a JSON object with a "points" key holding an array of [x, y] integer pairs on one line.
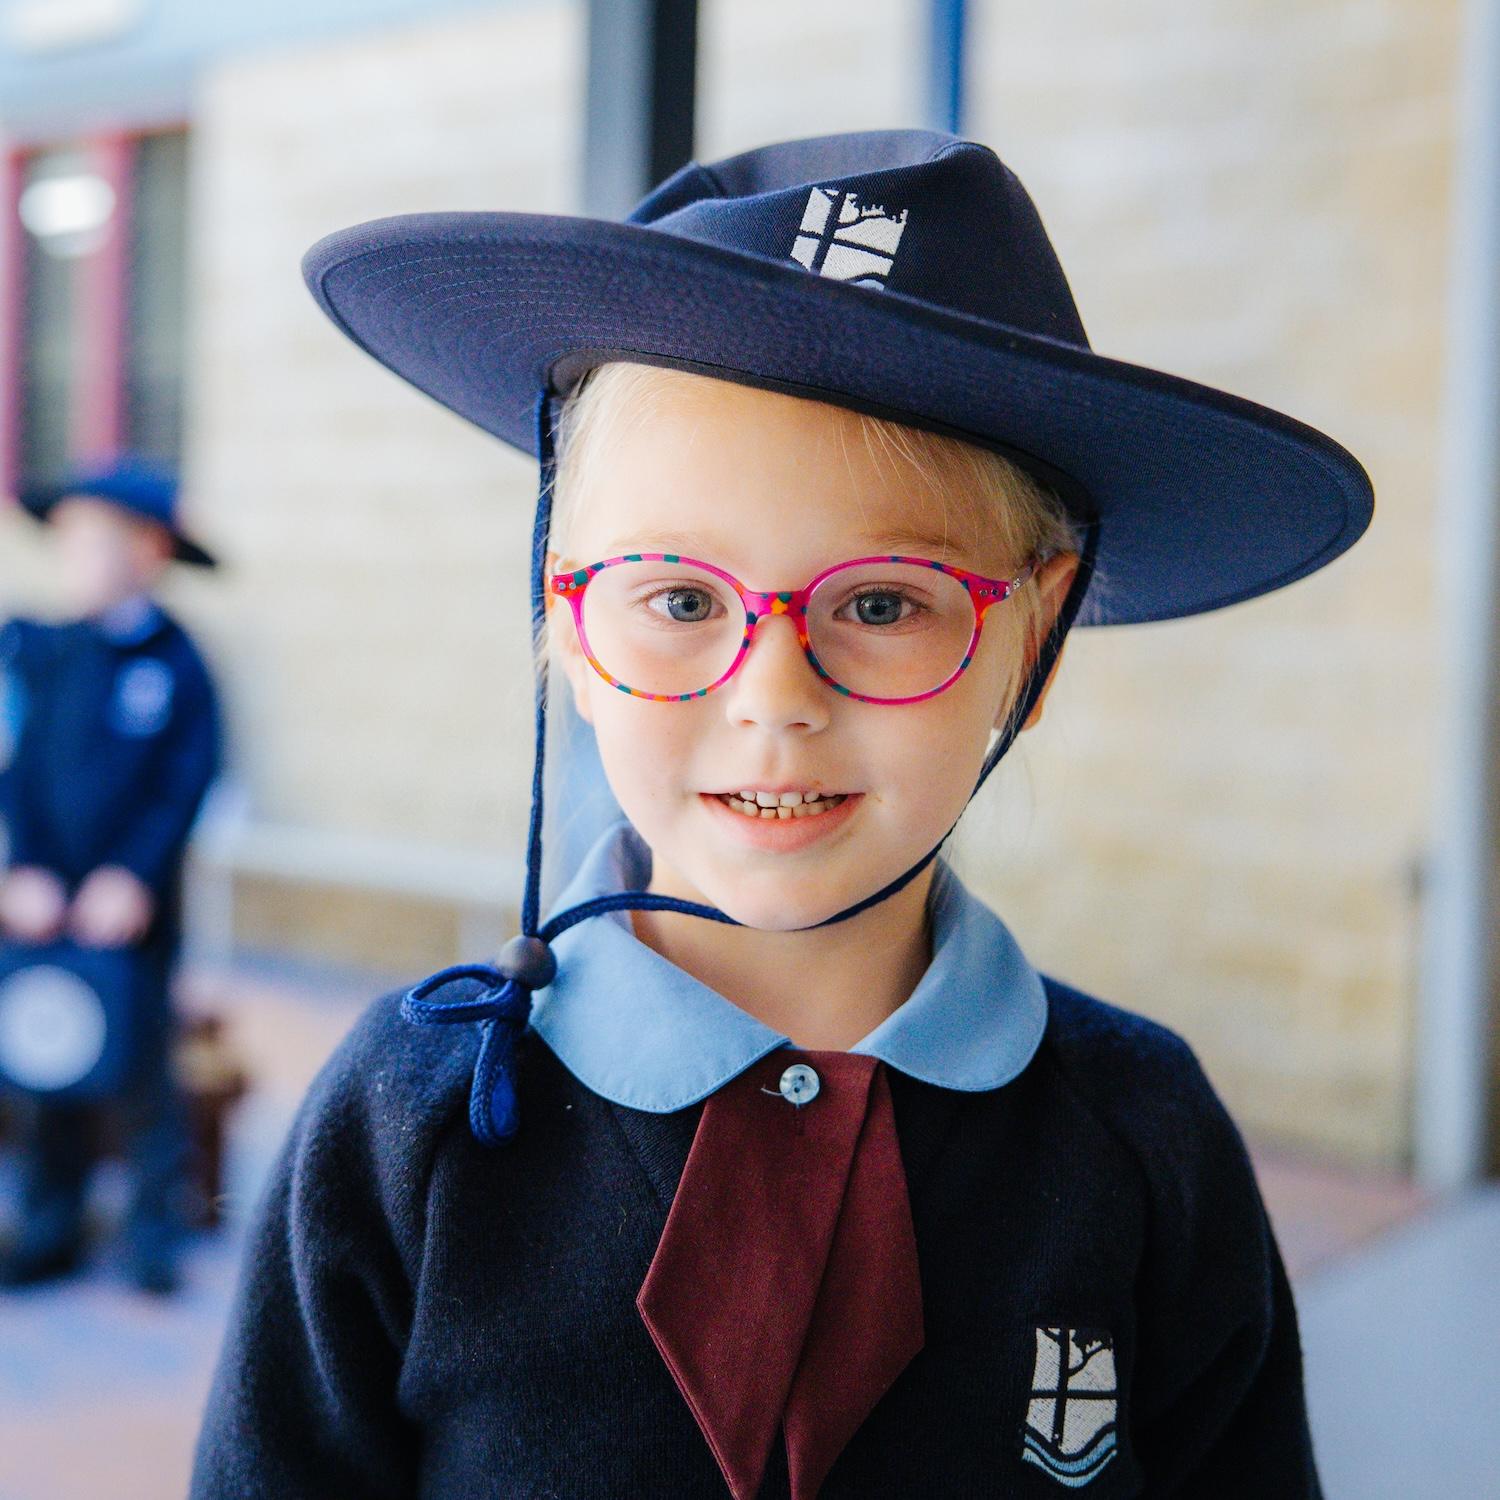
{"points": [[784, 1291]]}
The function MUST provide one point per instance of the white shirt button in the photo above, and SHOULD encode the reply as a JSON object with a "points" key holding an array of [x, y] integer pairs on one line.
{"points": [[799, 1084]]}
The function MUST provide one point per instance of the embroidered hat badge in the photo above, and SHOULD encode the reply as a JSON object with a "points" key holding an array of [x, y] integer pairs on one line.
{"points": [[846, 238]]}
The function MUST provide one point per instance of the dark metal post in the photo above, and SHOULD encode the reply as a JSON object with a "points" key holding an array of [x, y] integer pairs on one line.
{"points": [[642, 76]]}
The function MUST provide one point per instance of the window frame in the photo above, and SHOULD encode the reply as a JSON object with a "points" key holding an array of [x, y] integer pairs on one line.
{"points": [[97, 424]]}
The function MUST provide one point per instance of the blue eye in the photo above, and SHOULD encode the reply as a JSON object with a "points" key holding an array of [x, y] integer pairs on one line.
{"points": [[684, 606], [881, 607], [887, 608]]}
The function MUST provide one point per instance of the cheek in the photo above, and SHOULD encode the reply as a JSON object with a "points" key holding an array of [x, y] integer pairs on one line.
{"points": [[929, 754], [642, 745], [998, 665], [909, 761]]}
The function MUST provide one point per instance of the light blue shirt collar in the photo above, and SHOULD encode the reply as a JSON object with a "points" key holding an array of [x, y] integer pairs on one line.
{"points": [[635, 1028], [130, 621]]}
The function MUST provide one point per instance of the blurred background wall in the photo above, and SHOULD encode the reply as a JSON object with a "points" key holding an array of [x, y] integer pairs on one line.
{"points": [[1224, 823]]}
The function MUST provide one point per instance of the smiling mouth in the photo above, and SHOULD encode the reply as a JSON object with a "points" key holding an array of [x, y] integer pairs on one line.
{"points": [[809, 807]]}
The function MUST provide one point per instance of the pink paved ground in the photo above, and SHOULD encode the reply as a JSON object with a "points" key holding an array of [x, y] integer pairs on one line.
{"points": [[100, 1389]]}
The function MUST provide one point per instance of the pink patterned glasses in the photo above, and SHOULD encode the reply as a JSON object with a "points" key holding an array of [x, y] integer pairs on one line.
{"points": [[885, 629]]}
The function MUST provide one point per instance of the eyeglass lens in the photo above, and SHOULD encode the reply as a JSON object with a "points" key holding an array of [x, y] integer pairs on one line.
{"points": [[883, 630]]}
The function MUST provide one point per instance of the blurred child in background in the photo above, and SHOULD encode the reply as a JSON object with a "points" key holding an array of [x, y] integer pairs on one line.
{"points": [[115, 739]]}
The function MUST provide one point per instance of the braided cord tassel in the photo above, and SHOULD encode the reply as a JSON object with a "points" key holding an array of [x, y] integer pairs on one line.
{"points": [[526, 963], [498, 1008]]}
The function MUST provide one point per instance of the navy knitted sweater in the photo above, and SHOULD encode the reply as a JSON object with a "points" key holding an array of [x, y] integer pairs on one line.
{"points": [[420, 1316]]}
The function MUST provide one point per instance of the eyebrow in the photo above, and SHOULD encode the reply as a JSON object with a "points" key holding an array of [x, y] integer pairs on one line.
{"points": [[929, 546], [684, 543]]}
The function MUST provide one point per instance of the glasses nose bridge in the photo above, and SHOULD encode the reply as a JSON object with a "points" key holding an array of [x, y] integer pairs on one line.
{"points": [[762, 606]]}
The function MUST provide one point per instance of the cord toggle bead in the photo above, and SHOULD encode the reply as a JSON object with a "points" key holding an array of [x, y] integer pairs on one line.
{"points": [[529, 961]]}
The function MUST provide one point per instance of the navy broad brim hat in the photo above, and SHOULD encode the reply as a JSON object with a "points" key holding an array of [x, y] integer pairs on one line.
{"points": [[129, 482], [906, 273]]}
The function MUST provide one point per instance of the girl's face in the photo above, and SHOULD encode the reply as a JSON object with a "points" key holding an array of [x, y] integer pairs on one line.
{"points": [[773, 489]]}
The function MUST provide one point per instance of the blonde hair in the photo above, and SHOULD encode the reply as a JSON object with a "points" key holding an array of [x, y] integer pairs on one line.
{"points": [[993, 509]]}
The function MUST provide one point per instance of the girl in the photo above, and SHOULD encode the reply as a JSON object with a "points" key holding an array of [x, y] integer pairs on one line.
{"points": [[794, 1177]]}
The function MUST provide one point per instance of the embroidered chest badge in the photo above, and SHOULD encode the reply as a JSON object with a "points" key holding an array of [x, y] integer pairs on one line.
{"points": [[1071, 1419], [848, 239], [142, 697]]}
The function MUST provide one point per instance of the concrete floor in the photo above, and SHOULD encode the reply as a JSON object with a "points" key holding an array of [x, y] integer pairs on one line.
{"points": [[1402, 1355], [100, 1389]]}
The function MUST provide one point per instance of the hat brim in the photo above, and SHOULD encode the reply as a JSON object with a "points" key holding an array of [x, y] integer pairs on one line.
{"points": [[1204, 499], [38, 500]]}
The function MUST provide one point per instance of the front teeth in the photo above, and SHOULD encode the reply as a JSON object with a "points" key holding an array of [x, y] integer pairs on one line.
{"points": [[787, 805]]}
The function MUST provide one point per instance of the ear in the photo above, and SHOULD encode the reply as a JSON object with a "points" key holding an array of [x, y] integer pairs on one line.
{"points": [[1035, 716], [565, 635], [1053, 580]]}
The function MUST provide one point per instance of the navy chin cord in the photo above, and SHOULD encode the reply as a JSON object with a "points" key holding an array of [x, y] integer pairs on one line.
{"points": [[502, 1005]]}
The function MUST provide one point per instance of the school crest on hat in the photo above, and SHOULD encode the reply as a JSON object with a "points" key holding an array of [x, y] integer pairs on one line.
{"points": [[843, 237], [1071, 1431]]}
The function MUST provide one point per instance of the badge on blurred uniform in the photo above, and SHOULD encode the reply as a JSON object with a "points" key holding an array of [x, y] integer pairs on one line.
{"points": [[1071, 1419], [142, 698]]}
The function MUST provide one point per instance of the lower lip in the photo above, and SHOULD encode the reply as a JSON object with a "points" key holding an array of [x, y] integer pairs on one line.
{"points": [[784, 835]]}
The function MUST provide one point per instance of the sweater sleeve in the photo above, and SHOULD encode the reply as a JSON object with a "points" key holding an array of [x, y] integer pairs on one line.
{"points": [[1218, 1407], [303, 1403], [19, 641], [1227, 1415], [1260, 1443]]}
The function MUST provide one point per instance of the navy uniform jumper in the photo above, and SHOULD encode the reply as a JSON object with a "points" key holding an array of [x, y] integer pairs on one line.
{"points": [[420, 1316], [117, 741]]}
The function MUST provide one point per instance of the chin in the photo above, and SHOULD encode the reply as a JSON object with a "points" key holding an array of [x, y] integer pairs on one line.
{"points": [[776, 912], [779, 921]]}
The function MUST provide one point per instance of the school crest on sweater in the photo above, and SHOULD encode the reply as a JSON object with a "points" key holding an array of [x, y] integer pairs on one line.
{"points": [[1071, 1418]]}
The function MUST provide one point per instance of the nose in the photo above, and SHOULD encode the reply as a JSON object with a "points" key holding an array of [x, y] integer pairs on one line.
{"points": [[776, 685]]}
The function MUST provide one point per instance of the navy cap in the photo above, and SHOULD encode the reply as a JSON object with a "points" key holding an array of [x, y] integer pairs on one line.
{"points": [[130, 482], [902, 272]]}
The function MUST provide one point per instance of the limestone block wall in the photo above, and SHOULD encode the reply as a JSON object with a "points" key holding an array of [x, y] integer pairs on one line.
{"points": [[376, 615]]}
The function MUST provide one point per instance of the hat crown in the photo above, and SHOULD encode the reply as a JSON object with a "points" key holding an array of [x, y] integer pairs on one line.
{"points": [[918, 213], [132, 481]]}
